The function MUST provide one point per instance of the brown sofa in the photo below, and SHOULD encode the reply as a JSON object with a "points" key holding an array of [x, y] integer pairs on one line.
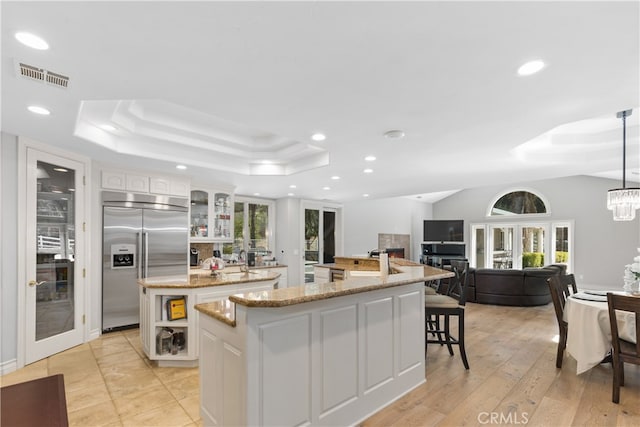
{"points": [[525, 287]]}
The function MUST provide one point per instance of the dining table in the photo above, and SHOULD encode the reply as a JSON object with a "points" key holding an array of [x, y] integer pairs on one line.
{"points": [[589, 331]]}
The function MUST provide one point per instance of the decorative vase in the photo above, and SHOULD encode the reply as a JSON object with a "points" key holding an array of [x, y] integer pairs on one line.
{"points": [[632, 286]]}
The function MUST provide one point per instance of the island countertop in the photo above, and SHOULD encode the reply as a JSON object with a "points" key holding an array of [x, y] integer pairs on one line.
{"points": [[204, 278], [225, 312]]}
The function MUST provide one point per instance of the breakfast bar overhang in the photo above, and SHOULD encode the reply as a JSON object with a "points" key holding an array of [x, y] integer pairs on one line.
{"points": [[319, 354]]}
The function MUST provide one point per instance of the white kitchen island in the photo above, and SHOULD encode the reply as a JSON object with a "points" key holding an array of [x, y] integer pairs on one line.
{"points": [[320, 354], [198, 287]]}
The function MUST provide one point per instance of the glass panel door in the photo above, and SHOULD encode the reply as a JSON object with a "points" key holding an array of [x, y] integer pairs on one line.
{"points": [[199, 213], [312, 242], [53, 297], [222, 216], [477, 247], [502, 246], [329, 236], [238, 232], [533, 247], [562, 244]]}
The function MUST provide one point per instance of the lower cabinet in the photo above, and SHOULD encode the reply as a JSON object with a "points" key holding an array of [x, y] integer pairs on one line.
{"points": [[331, 362], [169, 322], [167, 326]]}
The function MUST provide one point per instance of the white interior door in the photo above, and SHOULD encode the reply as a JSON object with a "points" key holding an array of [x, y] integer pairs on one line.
{"points": [[54, 255]]}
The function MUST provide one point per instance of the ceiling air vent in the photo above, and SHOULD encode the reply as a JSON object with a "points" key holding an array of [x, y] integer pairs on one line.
{"points": [[42, 75], [57, 79], [32, 72]]}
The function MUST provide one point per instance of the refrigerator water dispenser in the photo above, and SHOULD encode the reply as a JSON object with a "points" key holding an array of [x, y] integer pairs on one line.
{"points": [[123, 256]]}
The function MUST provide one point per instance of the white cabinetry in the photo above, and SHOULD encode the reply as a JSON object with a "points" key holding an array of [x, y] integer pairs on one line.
{"points": [[211, 215], [154, 318], [172, 187], [283, 281], [137, 183], [329, 362]]}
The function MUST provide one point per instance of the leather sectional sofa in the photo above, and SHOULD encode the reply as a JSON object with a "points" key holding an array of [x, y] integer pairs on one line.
{"points": [[525, 287]]}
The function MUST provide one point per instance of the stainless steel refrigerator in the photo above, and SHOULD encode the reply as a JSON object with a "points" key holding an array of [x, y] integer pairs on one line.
{"points": [[143, 236]]}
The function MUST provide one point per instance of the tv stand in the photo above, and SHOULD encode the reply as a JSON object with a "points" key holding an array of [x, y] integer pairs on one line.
{"points": [[440, 254]]}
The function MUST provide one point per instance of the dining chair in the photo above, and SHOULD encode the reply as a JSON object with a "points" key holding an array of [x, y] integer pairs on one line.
{"points": [[561, 288], [452, 304], [623, 351], [570, 281]]}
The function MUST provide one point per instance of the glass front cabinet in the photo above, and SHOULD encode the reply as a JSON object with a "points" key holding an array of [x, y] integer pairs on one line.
{"points": [[211, 216]]}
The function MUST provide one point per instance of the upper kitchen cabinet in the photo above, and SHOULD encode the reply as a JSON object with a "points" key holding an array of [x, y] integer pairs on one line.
{"points": [[211, 216], [137, 183]]}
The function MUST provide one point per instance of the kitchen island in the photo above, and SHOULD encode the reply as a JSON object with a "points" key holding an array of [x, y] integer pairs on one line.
{"points": [[319, 354], [159, 294]]}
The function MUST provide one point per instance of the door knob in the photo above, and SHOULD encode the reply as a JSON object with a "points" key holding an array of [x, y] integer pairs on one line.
{"points": [[34, 283]]}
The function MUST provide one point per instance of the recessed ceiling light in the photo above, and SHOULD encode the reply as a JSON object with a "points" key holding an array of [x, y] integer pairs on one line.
{"points": [[368, 171], [318, 137], [530, 67], [108, 128], [335, 177], [61, 169], [181, 167], [289, 194], [32, 41], [370, 158], [365, 195], [256, 194], [292, 186], [326, 188], [394, 134], [38, 110]]}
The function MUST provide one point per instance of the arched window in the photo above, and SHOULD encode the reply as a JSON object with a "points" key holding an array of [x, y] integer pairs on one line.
{"points": [[520, 233], [519, 202]]}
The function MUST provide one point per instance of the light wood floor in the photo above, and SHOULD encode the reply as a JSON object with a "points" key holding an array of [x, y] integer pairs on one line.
{"points": [[512, 379]]}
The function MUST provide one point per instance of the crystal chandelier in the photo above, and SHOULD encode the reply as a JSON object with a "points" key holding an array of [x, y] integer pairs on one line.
{"points": [[623, 201]]}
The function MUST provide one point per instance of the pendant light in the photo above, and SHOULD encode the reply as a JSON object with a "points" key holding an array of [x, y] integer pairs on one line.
{"points": [[624, 201]]}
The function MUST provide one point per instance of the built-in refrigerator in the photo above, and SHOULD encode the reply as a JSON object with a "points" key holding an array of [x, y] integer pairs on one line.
{"points": [[143, 236]]}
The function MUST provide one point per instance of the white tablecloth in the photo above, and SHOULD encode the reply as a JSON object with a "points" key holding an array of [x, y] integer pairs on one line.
{"points": [[589, 334]]}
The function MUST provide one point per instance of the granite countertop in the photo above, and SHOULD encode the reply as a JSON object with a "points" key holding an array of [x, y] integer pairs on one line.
{"points": [[203, 278], [222, 310], [231, 266], [400, 262], [225, 310]]}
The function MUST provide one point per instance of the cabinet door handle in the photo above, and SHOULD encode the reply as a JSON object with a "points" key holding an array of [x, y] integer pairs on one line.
{"points": [[35, 283]]}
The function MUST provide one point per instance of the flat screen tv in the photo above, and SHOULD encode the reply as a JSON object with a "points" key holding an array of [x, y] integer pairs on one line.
{"points": [[443, 230]]}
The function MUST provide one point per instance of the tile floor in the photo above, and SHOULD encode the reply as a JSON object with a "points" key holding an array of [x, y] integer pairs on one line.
{"points": [[110, 382]]}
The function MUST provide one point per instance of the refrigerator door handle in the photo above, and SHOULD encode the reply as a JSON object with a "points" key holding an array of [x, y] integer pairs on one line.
{"points": [[139, 254], [145, 240]]}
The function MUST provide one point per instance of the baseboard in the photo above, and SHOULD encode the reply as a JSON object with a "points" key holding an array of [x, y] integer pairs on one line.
{"points": [[8, 366], [94, 334]]}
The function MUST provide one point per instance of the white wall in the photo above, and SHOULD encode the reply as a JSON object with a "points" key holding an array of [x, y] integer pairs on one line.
{"points": [[602, 246], [364, 220], [8, 251], [288, 237]]}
